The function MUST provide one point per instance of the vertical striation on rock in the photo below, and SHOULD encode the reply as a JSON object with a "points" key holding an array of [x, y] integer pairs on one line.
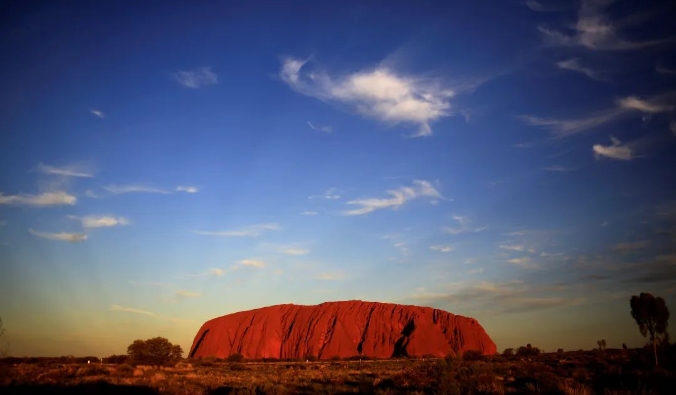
{"points": [[341, 329]]}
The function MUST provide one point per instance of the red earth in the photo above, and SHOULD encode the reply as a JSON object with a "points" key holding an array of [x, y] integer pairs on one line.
{"points": [[342, 329]]}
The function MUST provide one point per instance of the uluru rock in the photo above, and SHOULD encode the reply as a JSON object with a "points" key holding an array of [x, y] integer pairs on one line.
{"points": [[341, 329]]}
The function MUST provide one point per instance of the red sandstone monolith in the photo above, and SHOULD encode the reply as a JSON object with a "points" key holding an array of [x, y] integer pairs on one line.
{"points": [[340, 329]]}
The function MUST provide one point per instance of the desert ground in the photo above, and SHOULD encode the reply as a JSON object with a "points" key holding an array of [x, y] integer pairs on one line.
{"points": [[608, 372]]}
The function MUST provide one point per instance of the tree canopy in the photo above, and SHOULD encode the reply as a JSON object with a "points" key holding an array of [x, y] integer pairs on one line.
{"points": [[652, 316], [155, 351]]}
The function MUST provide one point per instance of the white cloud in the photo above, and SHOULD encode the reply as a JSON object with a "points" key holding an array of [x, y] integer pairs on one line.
{"points": [[251, 262], [378, 93], [330, 194], [475, 271], [66, 171], [574, 65], [217, 272], [96, 112], [399, 197], [442, 248], [513, 247], [644, 106], [91, 194], [196, 78], [187, 189], [296, 251], [70, 237], [325, 129], [595, 30], [100, 221], [116, 307], [614, 151], [309, 213], [524, 262], [44, 199], [187, 294], [465, 226], [121, 189], [249, 231]]}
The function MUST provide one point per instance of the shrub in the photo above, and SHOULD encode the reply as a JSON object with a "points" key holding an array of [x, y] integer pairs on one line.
{"points": [[310, 358], [509, 352], [124, 370], [472, 355], [236, 357], [527, 351]]}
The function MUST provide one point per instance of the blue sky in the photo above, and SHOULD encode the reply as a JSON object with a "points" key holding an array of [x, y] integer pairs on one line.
{"points": [[166, 163]]}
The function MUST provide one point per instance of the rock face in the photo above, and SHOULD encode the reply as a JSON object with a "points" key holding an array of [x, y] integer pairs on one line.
{"points": [[342, 329]]}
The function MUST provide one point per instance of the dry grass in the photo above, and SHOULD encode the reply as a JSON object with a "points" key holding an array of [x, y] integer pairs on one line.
{"points": [[567, 374]]}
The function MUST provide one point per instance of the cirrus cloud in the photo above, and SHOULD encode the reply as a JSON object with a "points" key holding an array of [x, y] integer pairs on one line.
{"points": [[55, 198], [398, 197], [63, 236]]}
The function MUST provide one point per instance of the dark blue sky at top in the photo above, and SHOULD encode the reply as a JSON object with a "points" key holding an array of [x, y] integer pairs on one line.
{"points": [[230, 155]]}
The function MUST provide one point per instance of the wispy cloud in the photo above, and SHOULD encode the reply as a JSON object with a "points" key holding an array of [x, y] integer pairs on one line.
{"points": [[251, 262], [665, 70], [187, 189], [133, 188], [575, 65], [623, 107], [614, 151], [595, 30], [296, 251], [118, 308], [524, 262], [63, 236], [115, 307], [465, 226], [378, 93], [213, 272], [644, 106], [557, 168], [442, 248], [55, 198], [249, 231], [398, 197], [330, 276], [500, 297], [630, 246], [325, 129], [97, 113], [78, 170], [330, 194], [309, 213], [513, 247], [538, 6], [570, 127], [187, 294], [100, 221], [196, 78]]}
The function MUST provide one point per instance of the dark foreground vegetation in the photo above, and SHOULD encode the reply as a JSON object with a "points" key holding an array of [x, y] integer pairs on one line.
{"points": [[608, 372]]}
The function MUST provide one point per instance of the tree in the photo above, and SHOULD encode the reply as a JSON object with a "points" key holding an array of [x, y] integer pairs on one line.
{"points": [[155, 351], [602, 344], [3, 349], [652, 316]]}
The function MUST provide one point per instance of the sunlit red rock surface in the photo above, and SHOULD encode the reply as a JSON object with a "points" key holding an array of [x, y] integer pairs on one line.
{"points": [[342, 329]]}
